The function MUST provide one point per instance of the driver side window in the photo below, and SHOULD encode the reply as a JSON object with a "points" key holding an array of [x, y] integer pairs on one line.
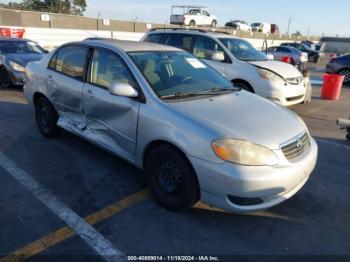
{"points": [[205, 47]]}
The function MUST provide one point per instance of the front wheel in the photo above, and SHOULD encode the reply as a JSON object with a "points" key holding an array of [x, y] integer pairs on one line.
{"points": [[244, 86], [345, 72], [213, 24], [172, 179], [46, 118], [5, 81], [192, 23]]}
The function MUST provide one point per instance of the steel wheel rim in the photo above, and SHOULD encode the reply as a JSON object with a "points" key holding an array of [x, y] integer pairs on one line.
{"points": [[170, 178]]}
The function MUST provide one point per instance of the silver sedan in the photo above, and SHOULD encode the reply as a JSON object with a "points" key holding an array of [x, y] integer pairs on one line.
{"points": [[297, 57], [194, 134]]}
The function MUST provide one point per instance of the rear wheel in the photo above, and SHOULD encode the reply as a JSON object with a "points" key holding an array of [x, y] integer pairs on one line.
{"points": [[345, 72], [172, 179], [5, 81], [192, 23], [213, 24], [46, 118]]}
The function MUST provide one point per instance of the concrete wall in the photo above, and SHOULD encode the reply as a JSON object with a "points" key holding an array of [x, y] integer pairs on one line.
{"points": [[32, 19], [53, 37], [66, 28]]}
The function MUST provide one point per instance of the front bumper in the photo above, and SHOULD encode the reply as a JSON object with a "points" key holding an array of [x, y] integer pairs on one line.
{"points": [[272, 185], [17, 78], [283, 94]]}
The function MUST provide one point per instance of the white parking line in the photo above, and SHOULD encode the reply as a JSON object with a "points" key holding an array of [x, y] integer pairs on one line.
{"points": [[92, 237]]}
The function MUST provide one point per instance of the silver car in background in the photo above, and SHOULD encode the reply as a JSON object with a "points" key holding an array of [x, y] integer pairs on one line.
{"points": [[297, 57], [166, 112], [15, 54]]}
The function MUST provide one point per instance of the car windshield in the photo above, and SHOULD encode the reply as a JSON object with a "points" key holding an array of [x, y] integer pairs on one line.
{"points": [[256, 24], [243, 50], [16, 47], [177, 74]]}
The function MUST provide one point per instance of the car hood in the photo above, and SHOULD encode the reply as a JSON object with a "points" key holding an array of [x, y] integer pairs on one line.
{"points": [[243, 115], [283, 69], [25, 58]]}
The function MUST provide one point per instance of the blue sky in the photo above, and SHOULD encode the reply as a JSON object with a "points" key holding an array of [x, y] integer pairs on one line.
{"points": [[330, 17], [322, 16]]}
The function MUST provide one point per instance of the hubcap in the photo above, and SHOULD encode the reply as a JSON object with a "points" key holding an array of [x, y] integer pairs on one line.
{"points": [[170, 177]]}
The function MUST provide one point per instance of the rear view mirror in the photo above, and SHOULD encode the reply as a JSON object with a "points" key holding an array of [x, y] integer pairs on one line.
{"points": [[123, 89], [218, 56]]}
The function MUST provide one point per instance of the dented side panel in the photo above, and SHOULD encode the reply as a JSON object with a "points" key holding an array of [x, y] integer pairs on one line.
{"points": [[111, 120]]}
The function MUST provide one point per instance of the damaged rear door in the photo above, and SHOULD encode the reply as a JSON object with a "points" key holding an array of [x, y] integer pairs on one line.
{"points": [[111, 120], [65, 82]]}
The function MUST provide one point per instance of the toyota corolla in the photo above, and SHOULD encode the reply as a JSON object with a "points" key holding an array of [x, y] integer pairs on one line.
{"points": [[194, 134]]}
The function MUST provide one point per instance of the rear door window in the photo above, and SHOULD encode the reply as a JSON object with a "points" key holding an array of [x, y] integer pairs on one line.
{"points": [[71, 61], [154, 38], [183, 41]]}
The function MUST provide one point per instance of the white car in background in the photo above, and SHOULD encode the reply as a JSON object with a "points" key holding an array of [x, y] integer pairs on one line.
{"points": [[239, 25], [239, 62], [192, 15], [261, 27]]}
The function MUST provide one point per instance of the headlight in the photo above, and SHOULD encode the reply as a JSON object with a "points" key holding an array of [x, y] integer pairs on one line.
{"points": [[244, 153], [17, 67], [268, 75]]}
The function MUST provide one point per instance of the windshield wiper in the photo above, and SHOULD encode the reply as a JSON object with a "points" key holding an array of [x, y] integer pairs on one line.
{"points": [[210, 92]]}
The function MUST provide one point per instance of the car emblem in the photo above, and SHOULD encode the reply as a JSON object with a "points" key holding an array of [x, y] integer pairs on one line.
{"points": [[299, 144]]}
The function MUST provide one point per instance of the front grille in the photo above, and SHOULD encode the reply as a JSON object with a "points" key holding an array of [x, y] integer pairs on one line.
{"points": [[297, 147], [295, 80]]}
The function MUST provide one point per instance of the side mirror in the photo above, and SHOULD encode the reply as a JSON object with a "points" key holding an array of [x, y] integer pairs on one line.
{"points": [[123, 89], [218, 56], [270, 57]]}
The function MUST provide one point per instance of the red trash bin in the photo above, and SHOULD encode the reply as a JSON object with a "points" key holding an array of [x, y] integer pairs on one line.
{"points": [[332, 84], [286, 59]]}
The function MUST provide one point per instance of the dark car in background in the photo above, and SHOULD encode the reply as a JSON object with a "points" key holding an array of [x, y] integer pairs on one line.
{"points": [[312, 54], [15, 54], [340, 65]]}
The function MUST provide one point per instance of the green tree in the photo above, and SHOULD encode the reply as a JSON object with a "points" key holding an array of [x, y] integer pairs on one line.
{"points": [[71, 7]]}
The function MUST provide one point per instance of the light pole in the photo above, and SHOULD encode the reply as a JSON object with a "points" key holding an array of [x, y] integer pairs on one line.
{"points": [[135, 23], [97, 21], [289, 22]]}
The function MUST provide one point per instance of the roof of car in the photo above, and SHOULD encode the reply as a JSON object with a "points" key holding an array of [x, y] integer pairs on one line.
{"points": [[132, 46], [216, 34]]}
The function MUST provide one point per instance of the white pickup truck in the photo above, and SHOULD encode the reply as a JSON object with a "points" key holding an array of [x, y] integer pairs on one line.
{"points": [[191, 15]]}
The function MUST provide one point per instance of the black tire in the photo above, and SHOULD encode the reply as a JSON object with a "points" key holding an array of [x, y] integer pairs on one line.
{"points": [[244, 86], [46, 118], [213, 24], [5, 81], [348, 137], [346, 73], [172, 179], [192, 23]]}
